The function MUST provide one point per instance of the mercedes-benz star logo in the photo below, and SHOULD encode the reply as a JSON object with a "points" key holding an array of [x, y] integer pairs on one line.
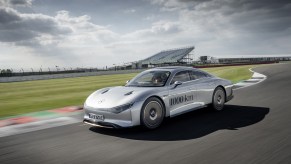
{"points": [[100, 101]]}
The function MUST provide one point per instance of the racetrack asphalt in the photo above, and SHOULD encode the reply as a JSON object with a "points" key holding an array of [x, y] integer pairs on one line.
{"points": [[253, 128]]}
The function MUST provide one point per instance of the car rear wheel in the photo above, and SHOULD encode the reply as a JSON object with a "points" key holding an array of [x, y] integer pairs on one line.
{"points": [[218, 99], [152, 113]]}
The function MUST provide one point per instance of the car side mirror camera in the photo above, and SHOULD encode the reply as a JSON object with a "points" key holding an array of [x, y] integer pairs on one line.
{"points": [[177, 83]]}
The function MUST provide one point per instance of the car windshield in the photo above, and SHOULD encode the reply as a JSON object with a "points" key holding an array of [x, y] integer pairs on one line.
{"points": [[150, 79]]}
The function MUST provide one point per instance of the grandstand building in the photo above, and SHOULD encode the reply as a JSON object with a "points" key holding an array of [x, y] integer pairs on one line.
{"points": [[167, 57]]}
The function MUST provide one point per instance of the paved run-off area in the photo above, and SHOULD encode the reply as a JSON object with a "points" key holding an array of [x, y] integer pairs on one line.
{"points": [[253, 128]]}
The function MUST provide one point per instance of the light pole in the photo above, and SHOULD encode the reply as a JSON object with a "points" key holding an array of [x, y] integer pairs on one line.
{"points": [[22, 71], [114, 67], [40, 69]]}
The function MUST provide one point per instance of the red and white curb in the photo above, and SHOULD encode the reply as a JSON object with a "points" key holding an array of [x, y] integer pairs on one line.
{"points": [[23, 124], [17, 120], [255, 79], [27, 119]]}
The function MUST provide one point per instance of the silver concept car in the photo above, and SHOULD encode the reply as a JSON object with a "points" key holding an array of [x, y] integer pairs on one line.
{"points": [[155, 94]]}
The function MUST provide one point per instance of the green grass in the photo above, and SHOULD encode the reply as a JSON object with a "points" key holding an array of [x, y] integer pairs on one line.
{"points": [[232, 73], [31, 96]]}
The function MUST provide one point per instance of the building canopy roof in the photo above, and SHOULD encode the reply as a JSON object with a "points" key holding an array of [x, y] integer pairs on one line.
{"points": [[168, 56]]}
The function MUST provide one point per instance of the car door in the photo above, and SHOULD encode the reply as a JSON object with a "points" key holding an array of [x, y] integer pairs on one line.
{"points": [[204, 87], [181, 97]]}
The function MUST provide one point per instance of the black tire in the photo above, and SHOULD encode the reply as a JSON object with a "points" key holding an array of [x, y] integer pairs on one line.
{"points": [[218, 99], [152, 113]]}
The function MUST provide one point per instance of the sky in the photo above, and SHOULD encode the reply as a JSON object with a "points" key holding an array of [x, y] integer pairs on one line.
{"points": [[98, 33]]}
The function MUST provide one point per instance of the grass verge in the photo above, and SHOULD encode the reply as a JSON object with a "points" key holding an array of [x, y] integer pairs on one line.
{"points": [[31, 96]]}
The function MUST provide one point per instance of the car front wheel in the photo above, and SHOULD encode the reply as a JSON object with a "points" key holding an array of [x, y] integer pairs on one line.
{"points": [[152, 113]]}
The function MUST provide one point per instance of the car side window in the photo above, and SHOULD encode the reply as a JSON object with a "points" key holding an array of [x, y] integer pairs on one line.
{"points": [[197, 75], [181, 76]]}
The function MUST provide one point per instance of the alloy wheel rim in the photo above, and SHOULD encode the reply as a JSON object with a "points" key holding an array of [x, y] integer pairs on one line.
{"points": [[219, 99], [153, 113]]}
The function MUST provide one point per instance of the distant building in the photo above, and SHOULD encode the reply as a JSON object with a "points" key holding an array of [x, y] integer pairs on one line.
{"points": [[182, 56], [253, 60], [213, 60], [208, 60]]}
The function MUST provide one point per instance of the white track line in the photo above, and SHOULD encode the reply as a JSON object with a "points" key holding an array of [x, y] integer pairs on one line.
{"points": [[256, 79], [34, 126]]}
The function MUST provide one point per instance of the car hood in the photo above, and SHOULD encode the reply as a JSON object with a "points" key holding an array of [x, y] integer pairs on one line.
{"points": [[116, 96]]}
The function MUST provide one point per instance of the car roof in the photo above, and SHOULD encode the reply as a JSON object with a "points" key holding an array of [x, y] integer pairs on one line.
{"points": [[173, 68]]}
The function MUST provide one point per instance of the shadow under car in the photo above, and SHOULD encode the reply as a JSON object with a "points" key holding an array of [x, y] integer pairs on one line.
{"points": [[193, 125]]}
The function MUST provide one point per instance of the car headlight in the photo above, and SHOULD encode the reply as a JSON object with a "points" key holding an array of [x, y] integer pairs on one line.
{"points": [[121, 108]]}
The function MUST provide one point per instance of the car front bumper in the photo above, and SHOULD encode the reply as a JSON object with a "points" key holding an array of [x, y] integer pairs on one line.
{"points": [[127, 118]]}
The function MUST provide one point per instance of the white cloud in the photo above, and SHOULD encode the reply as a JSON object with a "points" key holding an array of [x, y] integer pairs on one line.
{"points": [[215, 27], [60, 37], [170, 5], [158, 29], [219, 27], [15, 26], [18, 3], [150, 18], [128, 11]]}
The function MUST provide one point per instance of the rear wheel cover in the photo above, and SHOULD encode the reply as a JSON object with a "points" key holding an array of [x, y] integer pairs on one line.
{"points": [[218, 99]]}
